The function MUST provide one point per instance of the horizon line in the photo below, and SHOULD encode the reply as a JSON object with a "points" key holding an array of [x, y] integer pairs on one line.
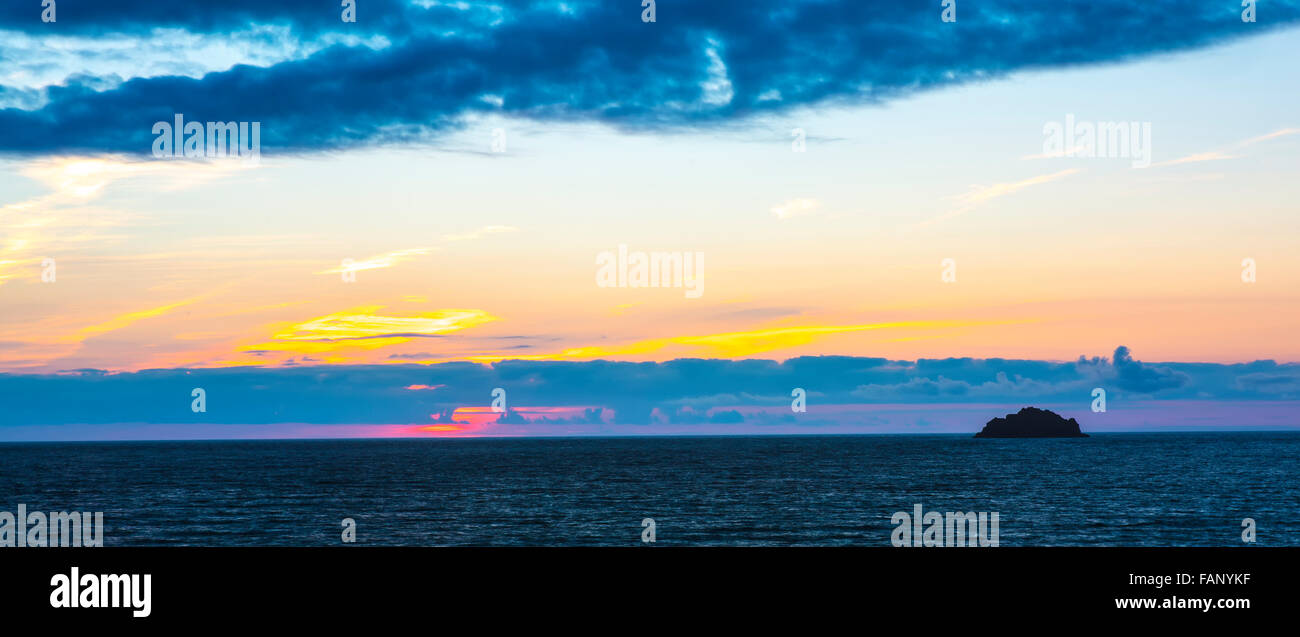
{"points": [[1295, 429]]}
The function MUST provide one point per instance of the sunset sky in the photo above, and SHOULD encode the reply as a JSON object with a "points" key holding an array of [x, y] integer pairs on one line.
{"points": [[924, 142]]}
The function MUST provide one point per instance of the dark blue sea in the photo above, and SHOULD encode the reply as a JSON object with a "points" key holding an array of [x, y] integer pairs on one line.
{"points": [[1110, 489]]}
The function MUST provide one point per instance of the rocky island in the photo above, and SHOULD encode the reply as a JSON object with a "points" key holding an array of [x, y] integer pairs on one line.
{"points": [[1031, 422]]}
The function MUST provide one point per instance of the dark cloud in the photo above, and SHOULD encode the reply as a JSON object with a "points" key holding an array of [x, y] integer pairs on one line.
{"points": [[598, 62], [1137, 377], [726, 417], [1282, 385], [512, 417], [681, 391], [140, 17], [1000, 379], [1001, 387]]}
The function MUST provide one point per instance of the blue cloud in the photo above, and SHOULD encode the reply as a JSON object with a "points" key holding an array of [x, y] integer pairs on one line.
{"points": [[99, 17], [1282, 385], [1136, 377], [681, 391], [700, 64]]}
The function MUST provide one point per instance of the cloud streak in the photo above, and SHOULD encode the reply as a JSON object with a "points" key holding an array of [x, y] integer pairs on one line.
{"points": [[377, 262], [980, 195], [731, 344]]}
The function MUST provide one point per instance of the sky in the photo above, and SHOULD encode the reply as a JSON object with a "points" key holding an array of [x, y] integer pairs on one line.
{"points": [[870, 198]]}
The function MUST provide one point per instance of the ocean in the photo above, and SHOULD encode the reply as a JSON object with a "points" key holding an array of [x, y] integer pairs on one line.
{"points": [[1161, 489]]}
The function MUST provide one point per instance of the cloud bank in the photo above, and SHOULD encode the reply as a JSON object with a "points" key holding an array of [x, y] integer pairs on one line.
{"points": [[681, 391], [410, 71]]}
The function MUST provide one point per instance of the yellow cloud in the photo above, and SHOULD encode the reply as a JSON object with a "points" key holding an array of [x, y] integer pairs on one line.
{"points": [[361, 328], [124, 320], [362, 322], [734, 344]]}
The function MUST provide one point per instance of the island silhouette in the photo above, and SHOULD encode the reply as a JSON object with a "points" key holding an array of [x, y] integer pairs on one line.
{"points": [[1031, 422]]}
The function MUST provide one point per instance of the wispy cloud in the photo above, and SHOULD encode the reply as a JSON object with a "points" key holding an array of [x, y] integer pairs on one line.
{"points": [[1217, 155], [67, 214], [481, 232], [386, 260], [1192, 159], [125, 320], [41, 343], [980, 195], [1284, 132], [795, 208], [391, 259]]}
